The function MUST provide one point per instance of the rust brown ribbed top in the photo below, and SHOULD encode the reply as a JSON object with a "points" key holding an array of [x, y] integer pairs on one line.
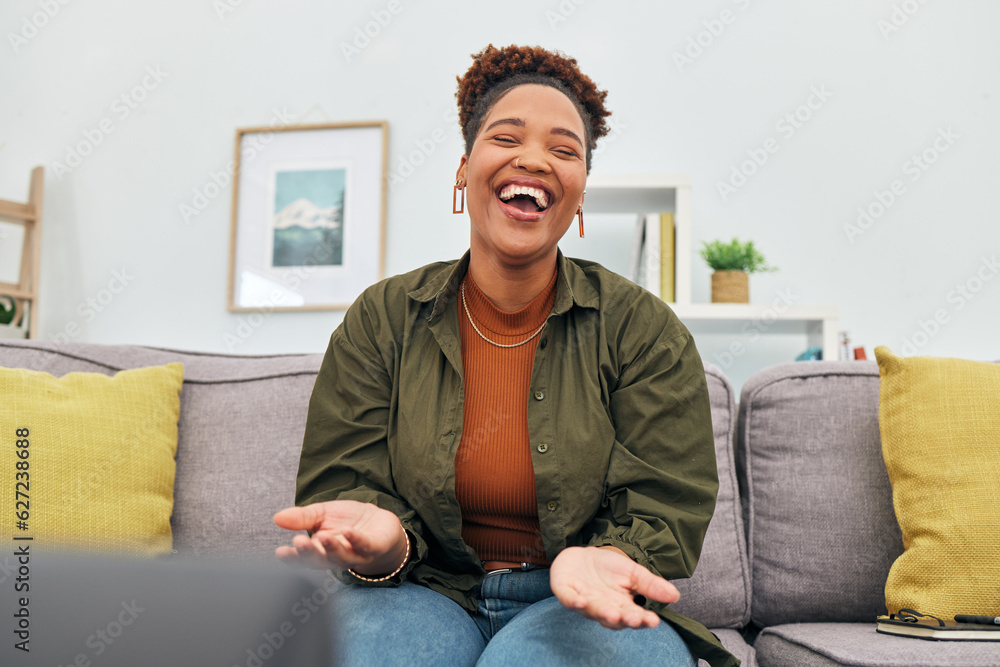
{"points": [[494, 478]]}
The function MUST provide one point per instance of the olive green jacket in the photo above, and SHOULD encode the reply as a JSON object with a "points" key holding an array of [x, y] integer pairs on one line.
{"points": [[618, 420]]}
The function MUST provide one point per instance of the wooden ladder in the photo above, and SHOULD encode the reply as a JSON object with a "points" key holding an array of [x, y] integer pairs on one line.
{"points": [[24, 293]]}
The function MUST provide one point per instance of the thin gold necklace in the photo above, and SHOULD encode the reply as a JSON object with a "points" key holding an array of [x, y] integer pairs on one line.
{"points": [[473, 323]]}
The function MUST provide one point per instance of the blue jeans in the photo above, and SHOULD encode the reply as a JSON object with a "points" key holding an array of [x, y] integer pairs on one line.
{"points": [[519, 622]]}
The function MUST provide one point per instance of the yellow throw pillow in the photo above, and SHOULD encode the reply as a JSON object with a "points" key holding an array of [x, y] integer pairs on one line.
{"points": [[940, 425], [87, 460]]}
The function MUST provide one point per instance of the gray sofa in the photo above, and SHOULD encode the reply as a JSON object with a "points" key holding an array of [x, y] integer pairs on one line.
{"points": [[794, 560]]}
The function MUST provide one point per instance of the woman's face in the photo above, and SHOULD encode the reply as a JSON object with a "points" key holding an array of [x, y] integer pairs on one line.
{"points": [[520, 212]]}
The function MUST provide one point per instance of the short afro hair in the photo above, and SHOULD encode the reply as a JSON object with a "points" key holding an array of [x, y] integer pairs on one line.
{"points": [[495, 71]]}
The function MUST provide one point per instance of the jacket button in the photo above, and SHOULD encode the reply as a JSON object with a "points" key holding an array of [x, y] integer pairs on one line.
{"points": [[543, 448], [539, 395], [545, 341], [552, 505]]}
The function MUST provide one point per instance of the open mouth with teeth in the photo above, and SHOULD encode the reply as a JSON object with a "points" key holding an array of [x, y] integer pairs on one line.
{"points": [[524, 198]]}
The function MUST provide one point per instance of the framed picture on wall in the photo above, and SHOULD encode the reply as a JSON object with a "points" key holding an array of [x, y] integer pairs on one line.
{"points": [[308, 218]]}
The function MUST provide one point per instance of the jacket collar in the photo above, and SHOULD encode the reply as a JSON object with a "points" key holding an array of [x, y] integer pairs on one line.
{"points": [[572, 288]]}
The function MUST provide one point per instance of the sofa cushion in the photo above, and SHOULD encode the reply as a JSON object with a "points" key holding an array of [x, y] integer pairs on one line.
{"points": [[239, 436], [940, 421], [829, 644], [821, 531], [93, 466], [718, 595]]}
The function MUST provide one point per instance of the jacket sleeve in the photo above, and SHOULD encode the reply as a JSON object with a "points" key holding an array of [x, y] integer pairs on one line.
{"points": [[662, 479], [345, 448]]}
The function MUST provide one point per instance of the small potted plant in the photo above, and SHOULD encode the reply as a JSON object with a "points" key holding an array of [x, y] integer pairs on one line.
{"points": [[732, 263]]}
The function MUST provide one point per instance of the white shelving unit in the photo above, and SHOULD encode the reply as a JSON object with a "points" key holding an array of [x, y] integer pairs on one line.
{"points": [[641, 193]]}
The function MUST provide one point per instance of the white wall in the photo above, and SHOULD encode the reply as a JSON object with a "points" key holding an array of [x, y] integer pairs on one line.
{"points": [[887, 96]]}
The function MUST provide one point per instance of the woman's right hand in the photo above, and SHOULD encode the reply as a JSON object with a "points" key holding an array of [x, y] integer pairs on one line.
{"points": [[345, 534]]}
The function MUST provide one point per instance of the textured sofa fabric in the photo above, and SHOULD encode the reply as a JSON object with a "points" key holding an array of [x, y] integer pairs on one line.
{"points": [[239, 437], [823, 644], [718, 595], [804, 518], [735, 644], [821, 529]]}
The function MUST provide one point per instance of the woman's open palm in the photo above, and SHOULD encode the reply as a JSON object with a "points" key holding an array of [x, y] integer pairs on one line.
{"points": [[345, 534], [600, 583]]}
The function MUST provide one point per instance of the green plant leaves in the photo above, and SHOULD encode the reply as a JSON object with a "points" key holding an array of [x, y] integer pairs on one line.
{"points": [[6, 314], [734, 256]]}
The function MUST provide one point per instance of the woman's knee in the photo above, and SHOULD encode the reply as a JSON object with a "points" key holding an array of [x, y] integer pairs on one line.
{"points": [[549, 633], [406, 624]]}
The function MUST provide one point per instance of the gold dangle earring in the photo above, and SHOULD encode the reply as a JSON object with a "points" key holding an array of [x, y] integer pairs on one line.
{"points": [[579, 217], [459, 187]]}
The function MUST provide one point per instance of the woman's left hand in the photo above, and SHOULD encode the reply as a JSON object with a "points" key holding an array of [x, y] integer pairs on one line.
{"points": [[599, 582]]}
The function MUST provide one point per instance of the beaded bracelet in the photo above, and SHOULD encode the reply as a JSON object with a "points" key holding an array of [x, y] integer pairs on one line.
{"points": [[399, 569]]}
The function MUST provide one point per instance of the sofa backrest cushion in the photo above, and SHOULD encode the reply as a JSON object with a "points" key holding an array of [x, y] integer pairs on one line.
{"points": [[239, 436], [821, 531], [718, 595]]}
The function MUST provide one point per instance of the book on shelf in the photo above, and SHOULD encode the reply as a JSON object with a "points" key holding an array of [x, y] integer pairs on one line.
{"points": [[667, 264], [653, 265], [928, 627]]}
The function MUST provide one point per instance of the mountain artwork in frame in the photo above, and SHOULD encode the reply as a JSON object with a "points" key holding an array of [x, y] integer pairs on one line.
{"points": [[308, 223]]}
